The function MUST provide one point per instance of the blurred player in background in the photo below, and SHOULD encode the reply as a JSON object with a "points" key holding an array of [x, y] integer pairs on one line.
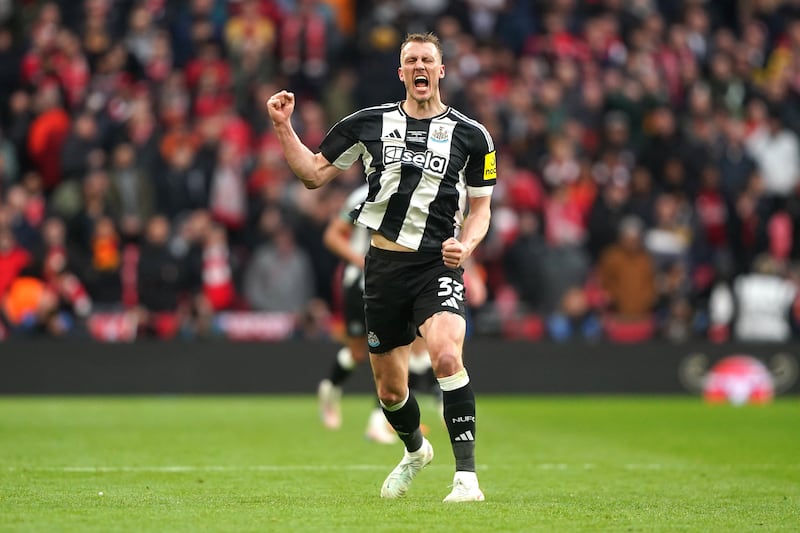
{"points": [[350, 243], [431, 171]]}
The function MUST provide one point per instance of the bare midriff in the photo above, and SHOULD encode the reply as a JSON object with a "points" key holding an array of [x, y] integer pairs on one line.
{"points": [[379, 241]]}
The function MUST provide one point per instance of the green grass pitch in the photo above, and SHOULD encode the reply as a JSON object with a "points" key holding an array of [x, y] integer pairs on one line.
{"points": [[233, 463]]}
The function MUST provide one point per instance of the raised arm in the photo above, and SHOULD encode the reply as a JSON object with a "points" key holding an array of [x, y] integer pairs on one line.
{"points": [[312, 168]]}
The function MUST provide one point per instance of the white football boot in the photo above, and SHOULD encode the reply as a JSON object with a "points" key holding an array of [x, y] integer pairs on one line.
{"points": [[399, 479], [465, 489]]}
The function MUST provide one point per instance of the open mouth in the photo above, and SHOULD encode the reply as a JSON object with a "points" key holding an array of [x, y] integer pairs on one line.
{"points": [[420, 81]]}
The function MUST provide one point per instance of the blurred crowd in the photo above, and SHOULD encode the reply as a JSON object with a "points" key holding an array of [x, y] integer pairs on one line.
{"points": [[648, 162]]}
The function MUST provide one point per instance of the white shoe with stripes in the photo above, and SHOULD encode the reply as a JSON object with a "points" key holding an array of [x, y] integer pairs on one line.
{"points": [[465, 489], [399, 479]]}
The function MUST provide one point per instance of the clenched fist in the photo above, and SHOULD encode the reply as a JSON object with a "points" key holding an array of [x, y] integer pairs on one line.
{"points": [[454, 252], [280, 106]]}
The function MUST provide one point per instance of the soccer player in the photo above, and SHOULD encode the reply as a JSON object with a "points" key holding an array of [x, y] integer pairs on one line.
{"points": [[350, 243], [427, 165]]}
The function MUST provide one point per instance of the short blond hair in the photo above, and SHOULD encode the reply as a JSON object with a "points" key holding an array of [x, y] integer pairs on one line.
{"points": [[429, 37]]}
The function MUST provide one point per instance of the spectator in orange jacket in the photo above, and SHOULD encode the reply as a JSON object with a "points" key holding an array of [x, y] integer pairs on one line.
{"points": [[627, 273], [30, 304]]}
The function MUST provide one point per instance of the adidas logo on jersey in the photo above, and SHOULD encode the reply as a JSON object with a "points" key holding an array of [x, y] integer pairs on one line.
{"points": [[466, 436], [394, 135], [426, 160], [450, 302]]}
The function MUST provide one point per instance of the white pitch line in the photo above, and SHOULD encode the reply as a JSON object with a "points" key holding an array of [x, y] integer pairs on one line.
{"points": [[203, 468], [372, 467], [663, 466], [193, 468]]}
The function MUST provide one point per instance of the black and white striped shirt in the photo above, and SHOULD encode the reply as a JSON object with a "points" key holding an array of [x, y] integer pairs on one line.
{"points": [[420, 172]]}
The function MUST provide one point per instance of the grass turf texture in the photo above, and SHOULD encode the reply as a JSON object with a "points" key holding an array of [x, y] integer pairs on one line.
{"points": [[266, 464]]}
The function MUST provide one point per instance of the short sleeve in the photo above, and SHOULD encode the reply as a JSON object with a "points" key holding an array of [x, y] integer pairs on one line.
{"points": [[341, 145], [481, 170]]}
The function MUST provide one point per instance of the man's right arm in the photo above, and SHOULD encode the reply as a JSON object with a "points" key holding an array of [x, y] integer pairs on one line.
{"points": [[312, 169], [337, 239]]}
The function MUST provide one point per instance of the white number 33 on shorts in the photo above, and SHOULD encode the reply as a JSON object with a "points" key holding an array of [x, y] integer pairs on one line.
{"points": [[451, 287]]}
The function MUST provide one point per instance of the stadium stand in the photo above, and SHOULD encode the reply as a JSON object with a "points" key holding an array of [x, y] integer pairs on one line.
{"points": [[114, 113]]}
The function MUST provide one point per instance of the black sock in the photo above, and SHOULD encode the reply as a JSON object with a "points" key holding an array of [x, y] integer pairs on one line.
{"points": [[339, 374], [415, 381], [459, 416], [405, 421]]}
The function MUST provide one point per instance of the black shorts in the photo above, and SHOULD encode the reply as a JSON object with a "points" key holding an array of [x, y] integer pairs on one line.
{"points": [[354, 319], [402, 290]]}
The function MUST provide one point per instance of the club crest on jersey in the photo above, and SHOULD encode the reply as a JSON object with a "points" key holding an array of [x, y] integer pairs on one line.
{"points": [[440, 135], [426, 160]]}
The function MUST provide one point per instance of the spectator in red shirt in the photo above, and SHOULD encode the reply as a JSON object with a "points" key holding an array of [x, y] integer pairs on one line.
{"points": [[13, 258], [71, 68], [47, 134], [712, 211], [217, 291], [208, 62], [56, 266]]}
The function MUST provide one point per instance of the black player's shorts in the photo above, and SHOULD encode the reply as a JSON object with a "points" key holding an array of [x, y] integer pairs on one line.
{"points": [[354, 319], [402, 290]]}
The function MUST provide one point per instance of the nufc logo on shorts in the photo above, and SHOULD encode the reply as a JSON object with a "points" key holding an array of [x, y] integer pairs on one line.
{"points": [[373, 340], [426, 160]]}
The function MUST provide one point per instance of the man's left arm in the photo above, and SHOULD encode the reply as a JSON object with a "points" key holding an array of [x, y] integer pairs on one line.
{"points": [[480, 174], [456, 251]]}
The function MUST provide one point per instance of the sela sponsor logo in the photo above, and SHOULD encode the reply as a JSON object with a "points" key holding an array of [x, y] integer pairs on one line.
{"points": [[440, 135], [426, 160]]}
